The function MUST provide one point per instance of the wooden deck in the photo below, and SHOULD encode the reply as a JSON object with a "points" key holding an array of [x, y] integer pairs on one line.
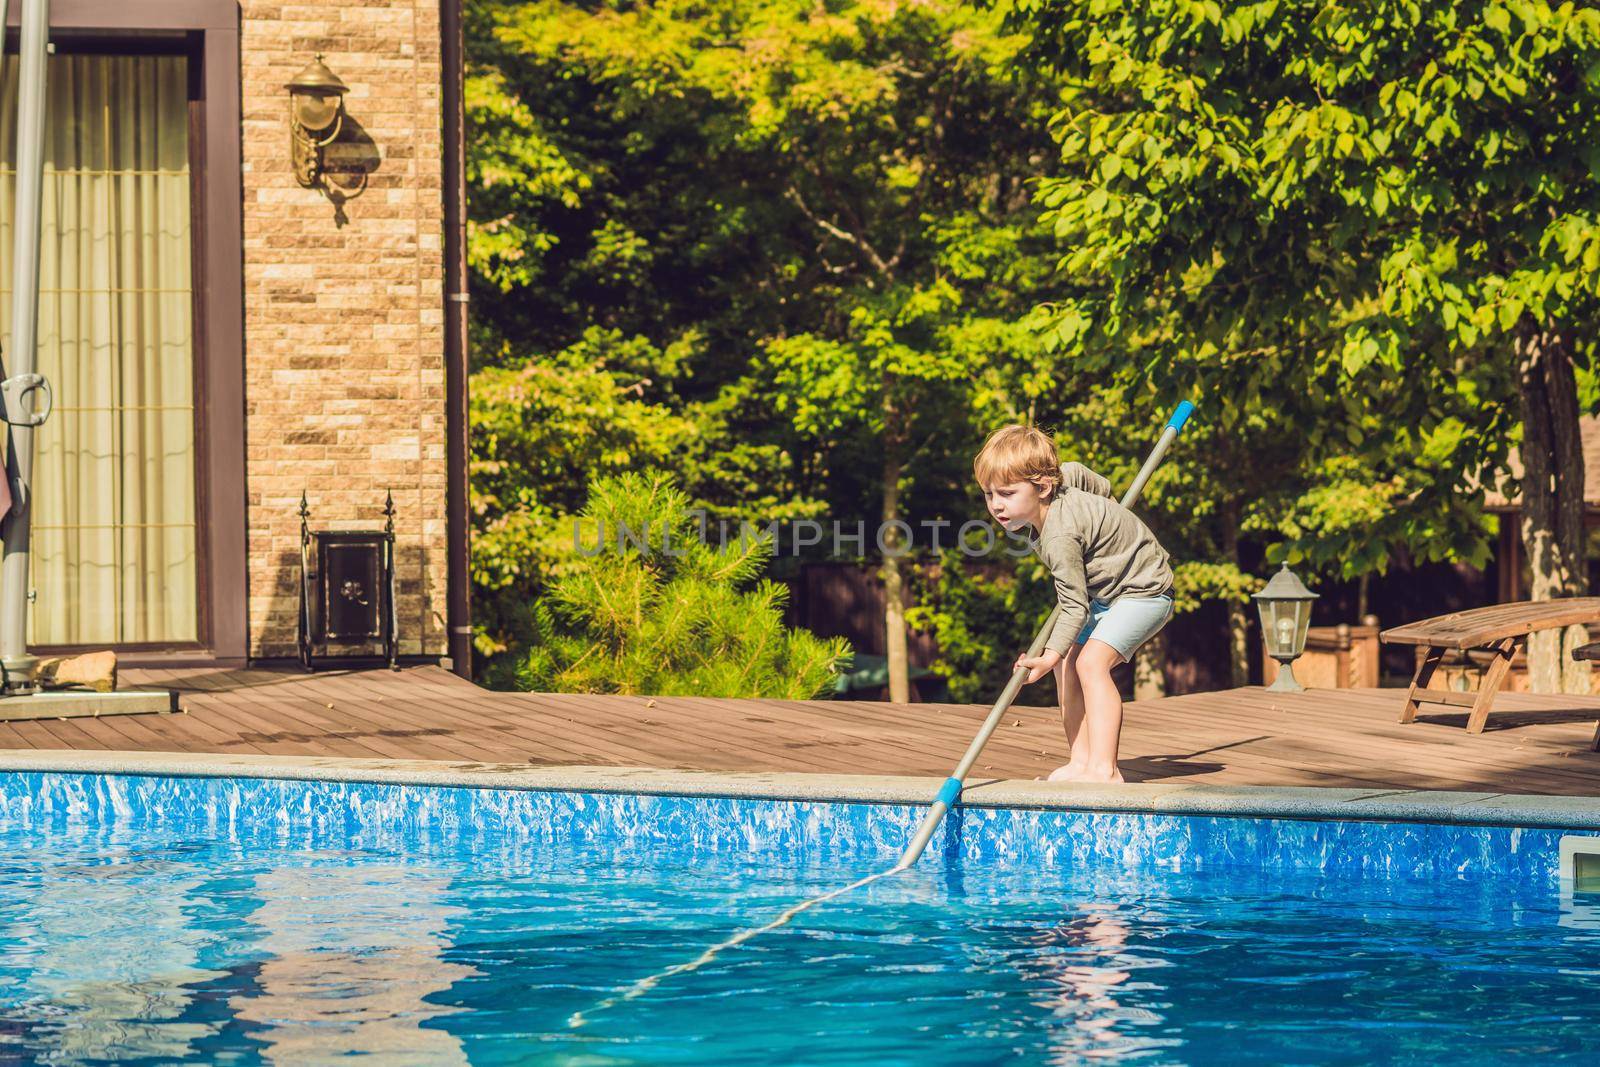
{"points": [[1535, 744]]}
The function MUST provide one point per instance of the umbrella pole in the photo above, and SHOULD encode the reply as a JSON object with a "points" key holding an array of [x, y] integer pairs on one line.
{"points": [[17, 391]]}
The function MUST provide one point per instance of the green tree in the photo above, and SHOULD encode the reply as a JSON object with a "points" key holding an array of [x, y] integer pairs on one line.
{"points": [[1377, 223], [910, 174], [541, 428], [648, 607], [982, 615], [832, 201]]}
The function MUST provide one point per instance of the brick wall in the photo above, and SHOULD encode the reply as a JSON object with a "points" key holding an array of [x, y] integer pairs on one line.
{"points": [[344, 332]]}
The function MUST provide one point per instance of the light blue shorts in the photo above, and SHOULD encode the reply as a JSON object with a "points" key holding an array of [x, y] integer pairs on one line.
{"points": [[1127, 622]]}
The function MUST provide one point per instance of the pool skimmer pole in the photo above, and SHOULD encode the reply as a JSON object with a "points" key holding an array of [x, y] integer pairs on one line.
{"points": [[951, 790], [949, 793]]}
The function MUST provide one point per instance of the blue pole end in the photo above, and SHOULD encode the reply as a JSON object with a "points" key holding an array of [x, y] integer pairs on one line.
{"points": [[950, 792], [1180, 416]]}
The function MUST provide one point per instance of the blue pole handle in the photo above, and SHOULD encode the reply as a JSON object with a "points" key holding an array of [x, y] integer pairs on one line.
{"points": [[1180, 416]]}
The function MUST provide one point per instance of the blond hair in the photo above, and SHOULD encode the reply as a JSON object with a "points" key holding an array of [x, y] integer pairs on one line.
{"points": [[1019, 454]]}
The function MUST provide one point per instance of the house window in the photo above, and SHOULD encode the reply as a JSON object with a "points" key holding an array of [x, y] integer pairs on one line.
{"points": [[115, 557]]}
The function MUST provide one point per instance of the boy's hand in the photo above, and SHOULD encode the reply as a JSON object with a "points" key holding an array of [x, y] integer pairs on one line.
{"points": [[1038, 666]]}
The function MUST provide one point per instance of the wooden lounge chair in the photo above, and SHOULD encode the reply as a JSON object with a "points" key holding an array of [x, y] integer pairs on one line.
{"points": [[1496, 629]]}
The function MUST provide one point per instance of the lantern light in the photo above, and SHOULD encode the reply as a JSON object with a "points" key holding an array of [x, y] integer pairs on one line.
{"points": [[1285, 606]]}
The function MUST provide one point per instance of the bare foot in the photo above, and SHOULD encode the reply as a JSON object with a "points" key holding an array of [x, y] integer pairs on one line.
{"points": [[1071, 772], [1101, 776]]}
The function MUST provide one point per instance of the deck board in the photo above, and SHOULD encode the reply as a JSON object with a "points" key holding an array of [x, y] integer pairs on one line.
{"points": [[1535, 744]]}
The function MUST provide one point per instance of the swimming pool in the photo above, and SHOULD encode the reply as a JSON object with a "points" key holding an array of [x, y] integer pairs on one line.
{"points": [[170, 919]]}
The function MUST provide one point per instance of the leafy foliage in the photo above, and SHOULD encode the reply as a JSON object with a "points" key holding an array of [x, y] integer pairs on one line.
{"points": [[982, 617], [539, 428], [1195, 581], [805, 231], [787, 252], [1334, 220], [670, 616]]}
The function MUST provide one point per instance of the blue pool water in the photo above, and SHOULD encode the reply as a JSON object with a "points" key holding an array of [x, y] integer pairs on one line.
{"points": [[151, 920]]}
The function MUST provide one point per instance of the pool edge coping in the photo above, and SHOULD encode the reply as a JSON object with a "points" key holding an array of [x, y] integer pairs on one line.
{"points": [[1286, 802]]}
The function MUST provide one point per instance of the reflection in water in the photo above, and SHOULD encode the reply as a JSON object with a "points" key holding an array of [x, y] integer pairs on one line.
{"points": [[1085, 964], [349, 956], [103, 961], [1580, 911]]}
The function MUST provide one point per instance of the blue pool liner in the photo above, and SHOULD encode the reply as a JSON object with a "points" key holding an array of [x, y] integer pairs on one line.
{"points": [[362, 814]]}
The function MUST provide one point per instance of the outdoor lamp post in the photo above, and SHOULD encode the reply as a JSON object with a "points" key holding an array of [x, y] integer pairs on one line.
{"points": [[316, 115], [1285, 606]]}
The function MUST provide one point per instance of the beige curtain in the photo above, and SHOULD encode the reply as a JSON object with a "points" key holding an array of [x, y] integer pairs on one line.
{"points": [[114, 557]]}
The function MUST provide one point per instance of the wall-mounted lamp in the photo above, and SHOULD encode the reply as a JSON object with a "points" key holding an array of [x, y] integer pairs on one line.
{"points": [[316, 115]]}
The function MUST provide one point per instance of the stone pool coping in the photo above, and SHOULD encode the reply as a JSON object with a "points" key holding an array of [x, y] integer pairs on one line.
{"points": [[1287, 802]]}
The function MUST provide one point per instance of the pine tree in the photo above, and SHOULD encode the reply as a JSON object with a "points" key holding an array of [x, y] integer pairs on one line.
{"points": [[649, 606]]}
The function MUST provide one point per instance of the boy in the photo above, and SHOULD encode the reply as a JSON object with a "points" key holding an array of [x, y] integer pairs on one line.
{"points": [[1113, 584]]}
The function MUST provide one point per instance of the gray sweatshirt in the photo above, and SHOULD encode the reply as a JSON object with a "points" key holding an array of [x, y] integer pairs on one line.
{"points": [[1095, 548]]}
